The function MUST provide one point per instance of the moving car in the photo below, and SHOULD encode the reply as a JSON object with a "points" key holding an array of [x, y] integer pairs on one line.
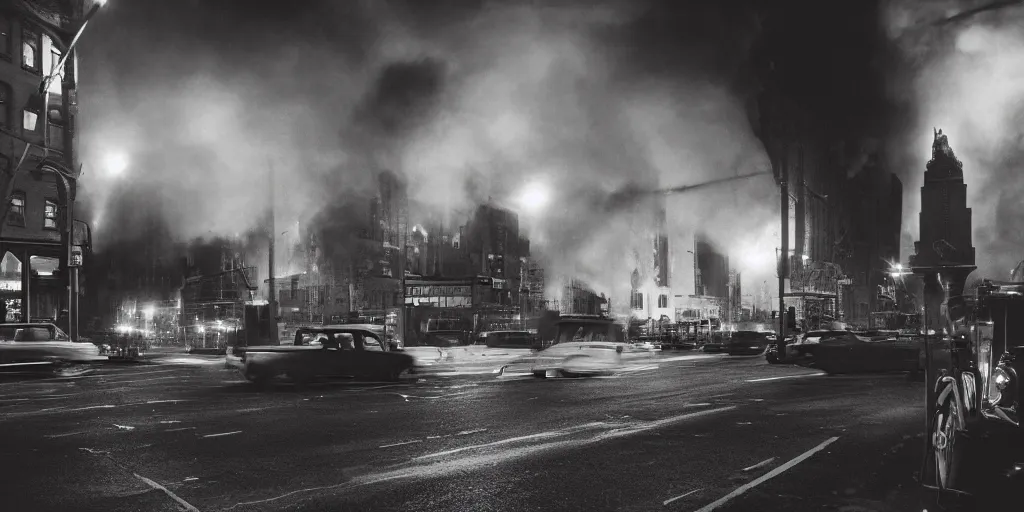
{"points": [[583, 345], [746, 343], [43, 345], [511, 339], [342, 351], [715, 344]]}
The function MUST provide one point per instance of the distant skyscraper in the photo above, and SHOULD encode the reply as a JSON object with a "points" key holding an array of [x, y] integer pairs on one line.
{"points": [[713, 267]]}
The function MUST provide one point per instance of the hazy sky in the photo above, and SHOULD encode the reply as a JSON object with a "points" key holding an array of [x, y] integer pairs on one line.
{"points": [[201, 98]]}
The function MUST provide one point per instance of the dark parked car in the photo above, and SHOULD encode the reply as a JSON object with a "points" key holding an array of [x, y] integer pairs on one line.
{"points": [[326, 352], [512, 339], [747, 343]]}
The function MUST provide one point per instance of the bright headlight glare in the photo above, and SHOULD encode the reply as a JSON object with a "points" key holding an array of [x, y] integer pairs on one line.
{"points": [[1000, 378]]}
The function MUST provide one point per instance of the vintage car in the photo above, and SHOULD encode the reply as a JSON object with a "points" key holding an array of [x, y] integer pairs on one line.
{"points": [[25, 345], [975, 441], [746, 343], [511, 339], [584, 345], [341, 351]]}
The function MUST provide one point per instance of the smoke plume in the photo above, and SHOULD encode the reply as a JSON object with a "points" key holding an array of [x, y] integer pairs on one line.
{"points": [[467, 100]]}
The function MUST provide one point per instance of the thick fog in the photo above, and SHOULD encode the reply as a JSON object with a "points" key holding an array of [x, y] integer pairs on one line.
{"points": [[469, 102], [966, 76]]}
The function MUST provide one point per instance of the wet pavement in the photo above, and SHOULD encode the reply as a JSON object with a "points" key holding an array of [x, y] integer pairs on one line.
{"points": [[675, 433]]}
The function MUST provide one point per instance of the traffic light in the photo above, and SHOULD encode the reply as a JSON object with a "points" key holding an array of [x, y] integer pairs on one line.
{"points": [[775, 314]]}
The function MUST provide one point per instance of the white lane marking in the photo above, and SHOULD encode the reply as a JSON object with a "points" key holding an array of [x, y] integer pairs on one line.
{"points": [[36, 363], [118, 374], [171, 421], [702, 404], [401, 444], [761, 464], [407, 397], [90, 408], [54, 436], [687, 358], [767, 476], [93, 451], [188, 506], [640, 368], [165, 401], [681, 496], [720, 396], [145, 380], [224, 434], [540, 435], [468, 432], [787, 377], [659, 423], [179, 429], [123, 427]]}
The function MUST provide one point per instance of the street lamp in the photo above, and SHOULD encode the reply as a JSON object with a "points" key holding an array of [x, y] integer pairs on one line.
{"points": [[534, 196], [115, 163], [37, 103]]}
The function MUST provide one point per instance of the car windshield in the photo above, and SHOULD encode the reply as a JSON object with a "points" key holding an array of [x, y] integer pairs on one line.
{"points": [[29, 333], [582, 333]]}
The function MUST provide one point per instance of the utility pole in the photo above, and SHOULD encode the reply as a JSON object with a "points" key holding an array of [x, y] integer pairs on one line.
{"points": [[784, 253], [272, 230]]}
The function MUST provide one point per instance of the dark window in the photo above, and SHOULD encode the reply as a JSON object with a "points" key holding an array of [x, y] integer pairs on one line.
{"points": [[55, 130], [16, 215], [662, 301], [637, 300], [50, 214], [31, 43], [5, 37], [5, 104]]}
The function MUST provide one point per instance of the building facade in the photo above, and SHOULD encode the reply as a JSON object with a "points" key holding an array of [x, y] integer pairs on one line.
{"points": [[38, 154]]}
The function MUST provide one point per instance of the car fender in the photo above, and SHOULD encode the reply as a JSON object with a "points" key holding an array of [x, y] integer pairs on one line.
{"points": [[949, 386]]}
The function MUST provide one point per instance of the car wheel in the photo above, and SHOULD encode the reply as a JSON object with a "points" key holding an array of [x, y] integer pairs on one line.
{"points": [[540, 374], [945, 434]]}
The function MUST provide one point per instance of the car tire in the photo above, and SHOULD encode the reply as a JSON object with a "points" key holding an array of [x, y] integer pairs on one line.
{"points": [[540, 374], [943, 437]]}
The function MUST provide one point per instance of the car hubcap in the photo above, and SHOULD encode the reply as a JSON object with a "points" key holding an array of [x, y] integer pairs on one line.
{"points": [[942, 442]]}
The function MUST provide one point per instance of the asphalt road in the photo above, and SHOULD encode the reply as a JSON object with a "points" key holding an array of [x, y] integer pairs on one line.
{"points": [[717, 433]]}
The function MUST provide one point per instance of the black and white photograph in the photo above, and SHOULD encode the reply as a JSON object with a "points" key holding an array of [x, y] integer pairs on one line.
{"points": [[511, 255]]}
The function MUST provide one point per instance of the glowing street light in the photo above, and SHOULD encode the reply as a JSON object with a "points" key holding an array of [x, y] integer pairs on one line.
{"points": [[534, 196], [115, 164]]}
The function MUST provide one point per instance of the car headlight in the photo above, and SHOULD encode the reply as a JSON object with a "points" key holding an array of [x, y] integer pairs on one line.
{"points": [[1001, 384]]}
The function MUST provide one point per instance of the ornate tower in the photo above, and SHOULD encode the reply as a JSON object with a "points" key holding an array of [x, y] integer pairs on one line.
{"points": [[944, 254]]}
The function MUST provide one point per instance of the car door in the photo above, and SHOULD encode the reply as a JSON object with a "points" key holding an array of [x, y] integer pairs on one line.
{"points": [[370, 356], [336, 358]]}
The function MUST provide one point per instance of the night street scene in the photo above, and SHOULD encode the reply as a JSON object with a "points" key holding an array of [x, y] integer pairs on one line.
{"points": [[484, 255]]}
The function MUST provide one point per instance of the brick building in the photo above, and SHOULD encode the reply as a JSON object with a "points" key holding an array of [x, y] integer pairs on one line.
{"points": [[40, 147]]}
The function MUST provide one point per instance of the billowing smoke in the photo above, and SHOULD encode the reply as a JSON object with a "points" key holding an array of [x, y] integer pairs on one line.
{"points": [[469, 102], [966, 76]]}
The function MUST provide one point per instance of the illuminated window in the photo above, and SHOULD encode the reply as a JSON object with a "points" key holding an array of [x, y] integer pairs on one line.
{"points": [[50, 61], [16, 215], [50, 214], [30, 55], [29, 121]]}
